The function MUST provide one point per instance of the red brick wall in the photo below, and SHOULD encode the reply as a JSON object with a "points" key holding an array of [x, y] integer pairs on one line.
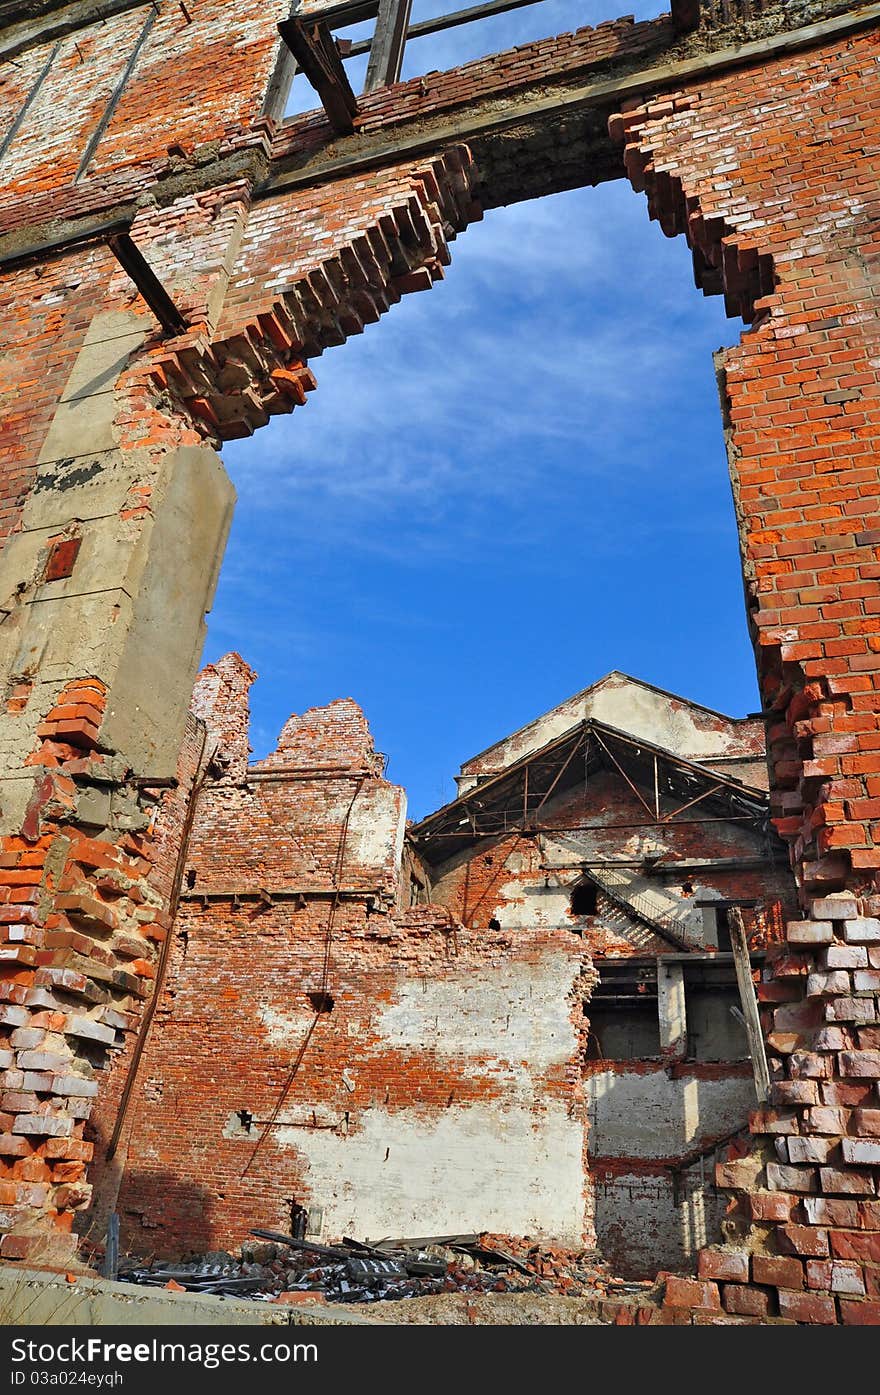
{"points": [[789, 232], [764, 173], [786, 222], [252, 1093]]}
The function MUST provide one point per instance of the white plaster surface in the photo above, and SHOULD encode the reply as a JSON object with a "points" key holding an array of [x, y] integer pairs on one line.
{"points": [[511, 1011], [477, 1167], [637, 1114], [640, 1229], [512, 1163], [628, 705], [376, 828]]}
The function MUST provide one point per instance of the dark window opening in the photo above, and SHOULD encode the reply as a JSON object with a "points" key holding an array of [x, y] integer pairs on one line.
{"points": [[722, 930], [494, 924], [191, 878], [715, 1027], [585, 899], [246, 1119], [623, 1034], [321, 1001]]}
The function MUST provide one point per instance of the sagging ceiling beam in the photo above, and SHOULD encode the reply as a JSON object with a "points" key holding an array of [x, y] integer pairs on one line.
{"points": [[320, 60]]}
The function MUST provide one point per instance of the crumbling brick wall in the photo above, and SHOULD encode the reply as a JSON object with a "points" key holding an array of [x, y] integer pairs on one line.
{"points": [[104, 446], [317, 1046], [764, 174]]}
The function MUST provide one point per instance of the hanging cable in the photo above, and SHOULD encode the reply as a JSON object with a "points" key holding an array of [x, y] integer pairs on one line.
{"points": [[320, 997]]}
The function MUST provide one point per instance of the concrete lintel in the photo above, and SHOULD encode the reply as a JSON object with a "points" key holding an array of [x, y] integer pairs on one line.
{"points": [[36, 1298]]}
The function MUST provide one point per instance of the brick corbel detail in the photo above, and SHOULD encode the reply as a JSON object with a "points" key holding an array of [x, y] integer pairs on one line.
{"points": [[230, 385]]}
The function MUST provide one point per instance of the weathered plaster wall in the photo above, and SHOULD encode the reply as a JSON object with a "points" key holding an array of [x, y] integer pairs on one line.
{"points": [[684, 728]]}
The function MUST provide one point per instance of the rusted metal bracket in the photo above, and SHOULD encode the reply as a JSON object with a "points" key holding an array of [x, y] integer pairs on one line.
{"points": [[144, 277], [319, 58]]}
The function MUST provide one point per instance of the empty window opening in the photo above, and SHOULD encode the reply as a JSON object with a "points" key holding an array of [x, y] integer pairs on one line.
{"points": [[494, 924], [588, 345], [623, 1019], [630, 1033], [585, 899], [715, 1028], [321, 1001]]}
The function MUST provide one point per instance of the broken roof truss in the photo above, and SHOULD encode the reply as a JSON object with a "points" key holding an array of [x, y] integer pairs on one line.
{"points": [[668, 788]]}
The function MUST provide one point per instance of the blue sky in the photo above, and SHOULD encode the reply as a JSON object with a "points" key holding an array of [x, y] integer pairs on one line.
{"points": [[512, 484]]}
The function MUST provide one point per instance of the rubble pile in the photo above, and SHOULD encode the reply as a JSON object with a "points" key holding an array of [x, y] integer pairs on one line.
{"points": [[282, 1268]]}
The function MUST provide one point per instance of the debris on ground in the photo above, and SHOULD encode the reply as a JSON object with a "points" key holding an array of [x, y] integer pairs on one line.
{"points": [[275, 1267]]}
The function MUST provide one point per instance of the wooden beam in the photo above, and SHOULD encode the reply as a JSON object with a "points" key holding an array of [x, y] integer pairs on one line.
{"points": [[645, 805], [144, 277], [451, 21], [667, 818], [747, 997], [389, 41], [685, 15], [318, 56]]}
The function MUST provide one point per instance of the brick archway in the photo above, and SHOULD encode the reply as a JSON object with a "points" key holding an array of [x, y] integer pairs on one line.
{"points": [[275, 244]]}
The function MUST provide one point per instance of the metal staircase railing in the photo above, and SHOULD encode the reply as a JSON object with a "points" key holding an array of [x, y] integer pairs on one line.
{"points": [[637, 906]]}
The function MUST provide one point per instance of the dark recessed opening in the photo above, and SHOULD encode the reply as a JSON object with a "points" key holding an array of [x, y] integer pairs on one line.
{"points": [[246, 1119], [494, 924], [321, 1002], [191, 878], [585, 899], [723, 930]]}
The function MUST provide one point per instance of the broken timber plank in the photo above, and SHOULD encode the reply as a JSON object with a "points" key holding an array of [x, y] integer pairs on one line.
{"points": [[318, 56], [135, 265], [742, 964], [294, 1244]]}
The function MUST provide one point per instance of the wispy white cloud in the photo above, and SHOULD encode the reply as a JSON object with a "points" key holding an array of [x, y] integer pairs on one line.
{"points": [[498, 491], [528, 367]]}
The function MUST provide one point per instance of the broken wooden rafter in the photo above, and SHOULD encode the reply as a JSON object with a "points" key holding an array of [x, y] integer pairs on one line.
{"points": [[134, 264], [748, 998], [318, 56]]}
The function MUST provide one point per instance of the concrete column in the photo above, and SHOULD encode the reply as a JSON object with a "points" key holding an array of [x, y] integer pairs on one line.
{"points": [[671, 1010]]}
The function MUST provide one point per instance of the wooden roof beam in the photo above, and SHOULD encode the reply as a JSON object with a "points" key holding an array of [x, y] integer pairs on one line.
{"points": [[685, 15], [318, 56]]}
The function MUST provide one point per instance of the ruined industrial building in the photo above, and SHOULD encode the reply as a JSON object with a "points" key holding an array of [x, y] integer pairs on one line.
{"points": [[619, 997], [514, 1016]]}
